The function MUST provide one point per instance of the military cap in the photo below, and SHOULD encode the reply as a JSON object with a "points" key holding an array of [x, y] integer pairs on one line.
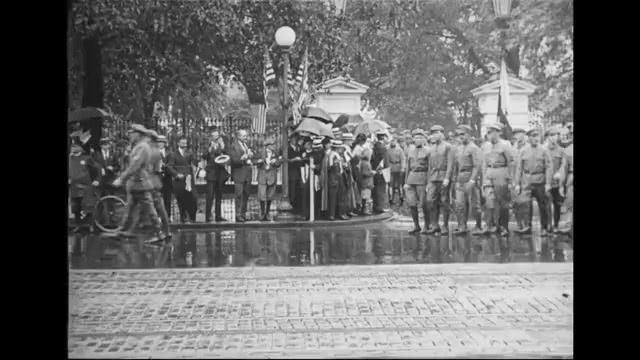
{"points": [[105, 140], [464, 128], [336, 143], [532, 131], [418, 132], [517, 130], [161, 138], [138, 128], [400, 138], [495, 127], [552, 131], [436, 128]]}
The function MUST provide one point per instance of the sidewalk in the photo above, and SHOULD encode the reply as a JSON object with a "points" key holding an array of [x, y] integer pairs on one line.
{"points": [[444, 310]]}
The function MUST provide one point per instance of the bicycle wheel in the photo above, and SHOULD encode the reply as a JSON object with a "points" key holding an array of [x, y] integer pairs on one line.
{"points": [[110, 213]]}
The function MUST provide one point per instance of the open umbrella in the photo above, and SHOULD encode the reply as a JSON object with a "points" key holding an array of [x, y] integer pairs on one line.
{"points": [[348, 119], [314, 126], [370, 127], [87, 113], [316, 113]]}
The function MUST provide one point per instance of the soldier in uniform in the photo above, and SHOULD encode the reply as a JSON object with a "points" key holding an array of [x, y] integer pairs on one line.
{"points": [[378, 162], [557, 154], [520, 141], [533, 178], [268, 162], [155, 171], [395, 155], [497, 158], [439, 178], [138, 183], [565, 176], [468, 164], [416, 175]]}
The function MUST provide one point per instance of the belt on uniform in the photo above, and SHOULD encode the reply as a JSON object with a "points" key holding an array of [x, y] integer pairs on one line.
{"points": [[533, 173], [419, 170], [395, 162], [466, 170], [496, 166]]}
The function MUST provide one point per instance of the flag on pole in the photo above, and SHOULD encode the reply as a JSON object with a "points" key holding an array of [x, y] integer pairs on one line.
{"points": [[303, 80], [259, 111], [503, 102], [269, 74]]}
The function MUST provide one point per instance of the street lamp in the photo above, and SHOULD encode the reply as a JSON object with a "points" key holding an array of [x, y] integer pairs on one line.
{"points": [[285, 37]]}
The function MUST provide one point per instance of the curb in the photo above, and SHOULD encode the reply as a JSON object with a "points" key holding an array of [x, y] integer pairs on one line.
{"points": [[359, 220]]}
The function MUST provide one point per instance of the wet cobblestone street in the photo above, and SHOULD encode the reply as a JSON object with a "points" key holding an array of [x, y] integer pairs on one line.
{"points": [[439, 310]]}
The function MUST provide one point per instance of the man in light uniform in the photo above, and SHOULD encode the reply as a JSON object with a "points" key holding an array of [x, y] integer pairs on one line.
{"points": [[416, 180], [440, 170], [468, 163]]}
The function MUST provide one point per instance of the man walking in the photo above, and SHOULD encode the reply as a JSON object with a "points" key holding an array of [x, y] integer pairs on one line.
{"points": [[155, 172], [417, 167], [468, 163], [439, 177], [241, 164], [533, 179], [180, 166], [138, 184], [496, 178], [216, 176]]}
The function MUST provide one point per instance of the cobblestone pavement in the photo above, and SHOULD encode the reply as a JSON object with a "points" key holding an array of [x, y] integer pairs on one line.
{"points": [[523, 309]]}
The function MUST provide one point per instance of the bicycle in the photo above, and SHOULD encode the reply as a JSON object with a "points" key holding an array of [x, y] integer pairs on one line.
{"points": [[110, 214]]}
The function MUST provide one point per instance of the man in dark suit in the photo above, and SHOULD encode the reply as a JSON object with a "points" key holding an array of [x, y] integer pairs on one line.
{"points": [[109, 166], [180, 166], [166, 177], [216, 176], [295, 162], [241, 172]]}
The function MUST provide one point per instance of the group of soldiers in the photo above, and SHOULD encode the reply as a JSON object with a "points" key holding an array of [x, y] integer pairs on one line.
{"points": [[491, 179]]}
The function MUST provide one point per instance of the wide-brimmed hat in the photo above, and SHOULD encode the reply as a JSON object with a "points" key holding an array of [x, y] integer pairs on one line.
{"points": [[138, 128]]}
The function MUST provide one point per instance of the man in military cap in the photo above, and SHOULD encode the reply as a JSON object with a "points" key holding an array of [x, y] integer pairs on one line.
{"points": [[565, 176], [416, 175], [138, 183], [439, 178], [467, 167], [497, 157], [378, 163], [520, 141], [397, 164], [155, 172], [557, 154], [268, 162], [533, 179]]}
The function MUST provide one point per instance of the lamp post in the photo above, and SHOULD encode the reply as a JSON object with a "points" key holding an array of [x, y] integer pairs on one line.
{"points": [[285, 37]]}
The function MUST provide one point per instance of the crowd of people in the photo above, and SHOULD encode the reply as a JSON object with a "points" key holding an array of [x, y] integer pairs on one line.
{"points": [[349, 176]]}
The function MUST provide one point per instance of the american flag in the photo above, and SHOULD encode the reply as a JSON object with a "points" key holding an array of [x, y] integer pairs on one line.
{"points": [[303, 79], [259, 111]]}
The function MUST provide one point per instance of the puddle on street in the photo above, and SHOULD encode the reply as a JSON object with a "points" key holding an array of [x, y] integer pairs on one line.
{"points": [[386, 243]]}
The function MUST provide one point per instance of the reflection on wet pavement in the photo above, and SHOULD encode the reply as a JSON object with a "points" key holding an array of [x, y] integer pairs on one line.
{"points": [[387, 243]]}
